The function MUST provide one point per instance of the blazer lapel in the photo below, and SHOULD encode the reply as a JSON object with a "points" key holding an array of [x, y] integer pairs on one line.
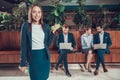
{"points": [[45, 34], [62, 36], [30, 37], [69, 38], [104, 40], [98, 38]]}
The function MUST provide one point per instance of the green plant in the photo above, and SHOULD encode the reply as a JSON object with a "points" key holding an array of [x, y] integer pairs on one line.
{"points": [[1, 24], [14, 20], [102, 15], [56, 14], [6, 21], [34, 1], [81, 19], [19, 14], [115, 23]]}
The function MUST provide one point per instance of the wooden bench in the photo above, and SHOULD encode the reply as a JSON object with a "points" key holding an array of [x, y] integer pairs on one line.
{"points": [[10, 48], [80, 58]]}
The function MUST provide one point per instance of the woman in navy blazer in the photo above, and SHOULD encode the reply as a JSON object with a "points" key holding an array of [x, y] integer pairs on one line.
{"points": [[36, 55]]}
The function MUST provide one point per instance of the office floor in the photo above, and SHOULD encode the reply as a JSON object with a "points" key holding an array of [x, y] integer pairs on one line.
{"points": [[11, 72]]}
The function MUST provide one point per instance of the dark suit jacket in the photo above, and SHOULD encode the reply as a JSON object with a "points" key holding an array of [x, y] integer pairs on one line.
{"points": [[106, 39], [26, 42], [60, 39]]}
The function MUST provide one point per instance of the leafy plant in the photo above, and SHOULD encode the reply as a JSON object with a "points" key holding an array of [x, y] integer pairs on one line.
{"points": [[19, 14], [81, 19], [14, 20], [34, 1], [115, 23], [56, 14], [5, 21], [104, 19]]}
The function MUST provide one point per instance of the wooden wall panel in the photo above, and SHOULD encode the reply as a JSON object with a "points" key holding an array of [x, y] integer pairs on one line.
{"points": [[108, 58], [115, 53], [79, 33], [4, 41], [53, 45], [75, 36], [117, 38], [113, 38], [14, 40]]}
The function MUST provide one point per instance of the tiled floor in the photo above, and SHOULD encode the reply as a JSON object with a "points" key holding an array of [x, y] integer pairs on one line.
{"points": [[12, 73]]}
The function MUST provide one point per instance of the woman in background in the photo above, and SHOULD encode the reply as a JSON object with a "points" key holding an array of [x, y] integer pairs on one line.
{"points": [[36, 37], [87, 43]]}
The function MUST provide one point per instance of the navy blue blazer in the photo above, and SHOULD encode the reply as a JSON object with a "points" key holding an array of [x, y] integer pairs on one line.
{"points": [[26, 42], [60, 39], [106, 40]]}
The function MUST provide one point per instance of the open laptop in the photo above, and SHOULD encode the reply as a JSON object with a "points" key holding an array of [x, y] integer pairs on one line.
{"points": [[100, 46], [65, 46]]}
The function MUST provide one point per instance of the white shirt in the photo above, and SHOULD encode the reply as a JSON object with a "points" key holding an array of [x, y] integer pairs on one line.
{"points": [[101, 35], [37, 37], [65, 38]]}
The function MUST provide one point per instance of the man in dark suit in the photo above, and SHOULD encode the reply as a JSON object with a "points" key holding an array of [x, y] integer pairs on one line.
{"points": [[64, 37], [101, 37]]}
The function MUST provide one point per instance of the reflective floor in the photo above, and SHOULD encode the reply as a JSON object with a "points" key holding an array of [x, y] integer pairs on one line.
{"points": [[12, 73]]}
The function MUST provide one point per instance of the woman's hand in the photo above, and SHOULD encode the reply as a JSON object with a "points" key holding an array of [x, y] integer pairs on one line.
{"points": [[22, 68], [88, 44], [56, 27]]}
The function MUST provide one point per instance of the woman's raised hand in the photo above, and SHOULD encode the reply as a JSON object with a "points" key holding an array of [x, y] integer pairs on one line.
{"points": [[56, 27]]}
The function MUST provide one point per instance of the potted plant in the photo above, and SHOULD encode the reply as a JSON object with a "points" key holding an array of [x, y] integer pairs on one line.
{"points": [[81, 19], [56, 14], [6, 23], [10, 27]]}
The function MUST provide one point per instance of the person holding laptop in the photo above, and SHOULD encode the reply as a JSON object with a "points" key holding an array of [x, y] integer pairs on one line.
{"points": [[101, 37], [64, 37]]}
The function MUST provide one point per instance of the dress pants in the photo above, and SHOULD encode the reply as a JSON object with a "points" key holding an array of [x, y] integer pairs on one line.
{"points": [[100, 58], [63, 58]]}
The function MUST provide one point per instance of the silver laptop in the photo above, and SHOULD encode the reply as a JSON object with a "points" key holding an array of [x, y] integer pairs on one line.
{"points": [[100, 46], [65, 46]]}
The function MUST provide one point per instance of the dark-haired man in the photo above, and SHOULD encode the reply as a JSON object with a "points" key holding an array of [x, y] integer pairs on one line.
{"points": [[101, 37]]}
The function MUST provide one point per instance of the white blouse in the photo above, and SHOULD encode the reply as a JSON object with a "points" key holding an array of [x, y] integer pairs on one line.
{"points": [[37, 37], [87, 39]]}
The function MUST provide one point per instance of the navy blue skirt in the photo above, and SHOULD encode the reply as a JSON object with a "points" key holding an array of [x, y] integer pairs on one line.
{"points": [[85, 51], [39, 67]]}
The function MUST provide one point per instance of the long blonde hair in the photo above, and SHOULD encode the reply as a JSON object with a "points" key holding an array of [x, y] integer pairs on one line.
{"points": [[30, 20]]}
